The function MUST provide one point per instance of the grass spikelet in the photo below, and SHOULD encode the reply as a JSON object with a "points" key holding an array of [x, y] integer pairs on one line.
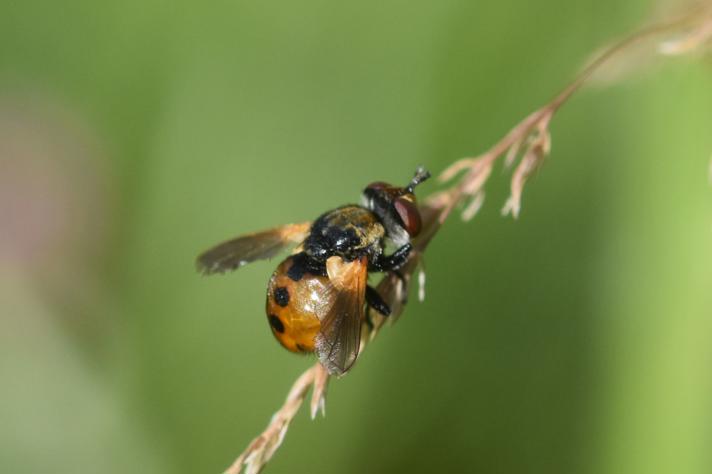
{"points": [[527, 145]]}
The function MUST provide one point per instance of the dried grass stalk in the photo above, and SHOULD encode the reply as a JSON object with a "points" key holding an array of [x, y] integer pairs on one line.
{"points": [[693, 32], [263, 447], [529, 142], [697, 35]]}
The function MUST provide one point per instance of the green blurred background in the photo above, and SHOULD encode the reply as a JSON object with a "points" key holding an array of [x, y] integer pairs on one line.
{"points": [[135, 134]]}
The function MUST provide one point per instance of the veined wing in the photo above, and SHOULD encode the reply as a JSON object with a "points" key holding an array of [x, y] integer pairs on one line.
{"points": [[339, 338], [239, 251]]}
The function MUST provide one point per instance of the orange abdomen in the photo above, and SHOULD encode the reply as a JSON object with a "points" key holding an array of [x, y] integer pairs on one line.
{"points": [[296, 303]]}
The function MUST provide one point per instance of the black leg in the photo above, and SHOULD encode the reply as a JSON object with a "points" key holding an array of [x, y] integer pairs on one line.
{"points": [[394, 261], [374, 300], [369, 321]]}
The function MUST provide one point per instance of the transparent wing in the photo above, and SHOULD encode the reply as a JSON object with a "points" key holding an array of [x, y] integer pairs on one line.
{"points": [[237, 252], [338, 340]]}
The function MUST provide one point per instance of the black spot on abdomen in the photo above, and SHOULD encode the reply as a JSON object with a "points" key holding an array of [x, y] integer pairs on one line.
{"points": [[276, 323], [281, 296]]}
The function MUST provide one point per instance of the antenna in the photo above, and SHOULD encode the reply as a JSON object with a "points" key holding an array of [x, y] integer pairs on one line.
{"points": [[421, 174]]}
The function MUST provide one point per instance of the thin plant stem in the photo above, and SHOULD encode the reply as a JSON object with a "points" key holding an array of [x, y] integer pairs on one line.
{"points": [[530, 141]]}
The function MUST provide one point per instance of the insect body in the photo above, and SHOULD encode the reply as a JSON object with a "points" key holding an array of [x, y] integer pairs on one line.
{"points": [[316, 296], [297, 301]]}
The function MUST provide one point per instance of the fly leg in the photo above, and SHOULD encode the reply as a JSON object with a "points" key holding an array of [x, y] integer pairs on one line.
{"points": [[393, 261], [392, 264], [374, 300]]}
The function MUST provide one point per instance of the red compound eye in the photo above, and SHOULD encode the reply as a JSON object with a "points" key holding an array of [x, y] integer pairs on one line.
{"points": [[410, 216]]}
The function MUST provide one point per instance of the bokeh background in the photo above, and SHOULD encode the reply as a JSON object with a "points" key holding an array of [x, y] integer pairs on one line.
{"points": [[135, 134]]}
